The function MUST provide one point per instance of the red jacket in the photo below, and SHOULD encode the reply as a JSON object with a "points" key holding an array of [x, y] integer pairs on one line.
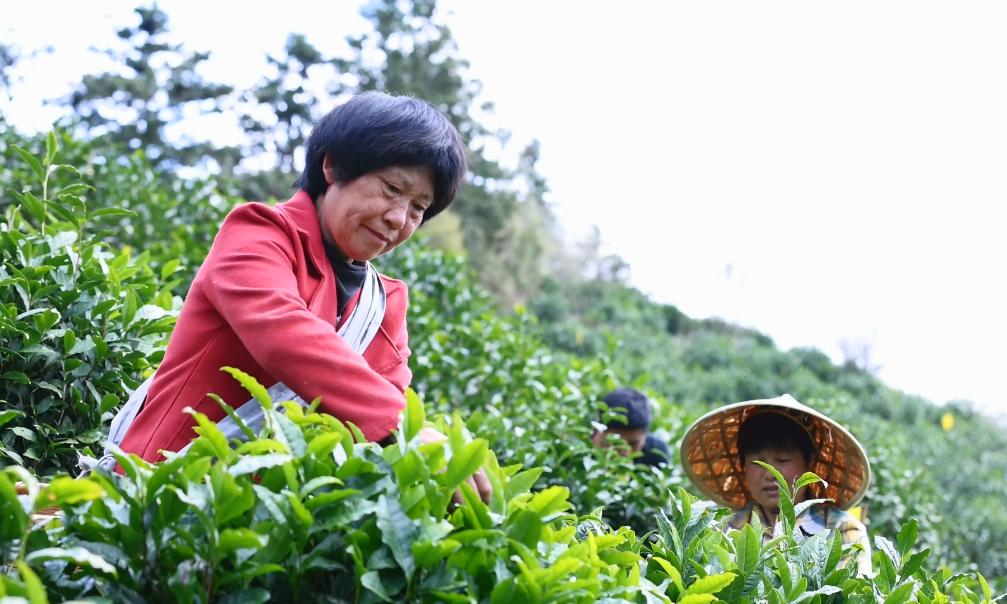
{"points": [[264, 301]]}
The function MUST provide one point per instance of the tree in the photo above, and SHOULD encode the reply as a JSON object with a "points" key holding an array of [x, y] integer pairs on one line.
{"points": [[156, 85], [278, 114], [8, 59]]}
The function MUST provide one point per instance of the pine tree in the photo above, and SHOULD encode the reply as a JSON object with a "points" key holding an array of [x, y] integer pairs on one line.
{"points": [[156, 86]]}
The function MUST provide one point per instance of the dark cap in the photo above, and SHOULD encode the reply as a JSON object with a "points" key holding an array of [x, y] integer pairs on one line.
{"points": [[634, 402]]}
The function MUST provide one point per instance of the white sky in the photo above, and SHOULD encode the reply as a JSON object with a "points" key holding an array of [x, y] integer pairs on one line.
{"points": [[818, 171]]}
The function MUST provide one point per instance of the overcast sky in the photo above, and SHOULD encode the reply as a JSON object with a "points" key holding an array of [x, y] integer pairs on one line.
{"points": [[818, 171]]}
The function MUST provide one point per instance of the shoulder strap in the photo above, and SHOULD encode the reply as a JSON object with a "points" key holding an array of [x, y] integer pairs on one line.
{"points": [[363, 323]]}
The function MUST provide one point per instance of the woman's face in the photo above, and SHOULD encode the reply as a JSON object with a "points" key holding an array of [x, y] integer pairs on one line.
{"points": [[761, 485], [376, 212]]}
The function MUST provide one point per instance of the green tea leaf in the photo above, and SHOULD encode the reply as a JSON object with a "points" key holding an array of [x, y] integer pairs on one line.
{"points": [[900, 594], [358, 434], [249, 383], [398, 532], [322, 445], [13, 516], [35, 206], [697, 599], [776, 474], [24, 433], [525, 526], [77, 555], [914, 563], [68, 491], [34, 589], [31, 160], [413, 416], [51, 147], [291, 432], [317, 483], [806, 479], [835, 553], [211, 438], [111, 212], [169, 268], [475, 508], [371, 580], [249, 434], [465, 463], [550, 502], [130, 304], [18, 377], [522, 482], [673, 573], [300, 512], [906, 538], [825, 590], [711, 584], [885, 546], [747, 547], [985, 586], [9, 415], [254, 463]]}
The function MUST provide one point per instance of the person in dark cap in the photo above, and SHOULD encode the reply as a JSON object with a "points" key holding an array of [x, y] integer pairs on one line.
{"points": [[632, 427]]}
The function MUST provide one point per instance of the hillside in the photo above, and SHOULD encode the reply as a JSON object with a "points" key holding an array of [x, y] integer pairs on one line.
{"points": [[943, 464]]}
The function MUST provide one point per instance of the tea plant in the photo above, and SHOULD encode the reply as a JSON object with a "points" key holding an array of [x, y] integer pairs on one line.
{"points": [[80, 322], [309, 512]]}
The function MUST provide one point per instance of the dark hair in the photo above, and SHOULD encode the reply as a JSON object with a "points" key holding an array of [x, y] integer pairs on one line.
{"points": [[634, 402], [773, 430], [375, 130]]}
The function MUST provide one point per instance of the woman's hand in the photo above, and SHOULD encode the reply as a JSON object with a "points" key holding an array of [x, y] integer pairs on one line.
{"points": [[479, 482]]}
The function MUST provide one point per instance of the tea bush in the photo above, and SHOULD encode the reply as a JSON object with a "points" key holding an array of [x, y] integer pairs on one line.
{"points": [[172, 219], [80, 322], [533, 405], [310, 512]]}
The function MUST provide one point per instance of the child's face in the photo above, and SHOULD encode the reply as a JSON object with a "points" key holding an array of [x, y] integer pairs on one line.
{"points": [[760, 483]]}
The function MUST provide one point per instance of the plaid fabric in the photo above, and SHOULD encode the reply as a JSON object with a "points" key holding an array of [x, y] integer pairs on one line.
{"points": [[812, 521]]}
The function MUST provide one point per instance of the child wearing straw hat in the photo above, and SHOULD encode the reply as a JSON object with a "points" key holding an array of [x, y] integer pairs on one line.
{"points": [[720, 449]]}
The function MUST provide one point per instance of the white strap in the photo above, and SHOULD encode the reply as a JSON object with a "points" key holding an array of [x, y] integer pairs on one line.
{"points": [[117, 431]]}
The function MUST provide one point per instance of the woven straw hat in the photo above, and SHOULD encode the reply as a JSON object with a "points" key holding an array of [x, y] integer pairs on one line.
{"points": [[710, 453]]}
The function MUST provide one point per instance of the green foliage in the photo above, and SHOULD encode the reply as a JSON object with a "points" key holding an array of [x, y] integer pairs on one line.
{"points": [[533, 406], [306, 513], [174, 220], [951, 482], [80, 322]]}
